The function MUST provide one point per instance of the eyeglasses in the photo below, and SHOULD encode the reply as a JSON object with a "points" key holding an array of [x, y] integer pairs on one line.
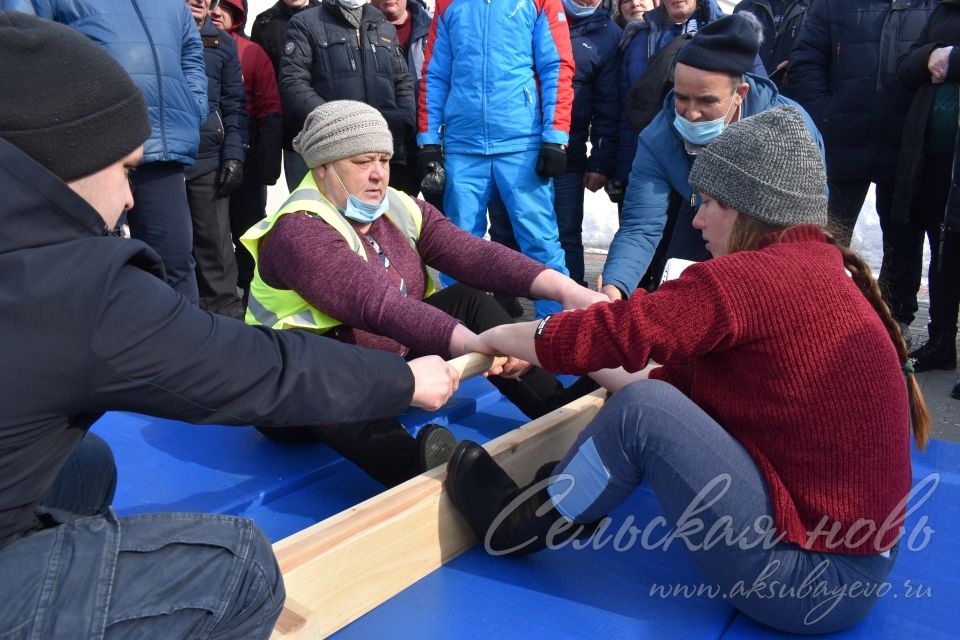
{"points": [[385, 261]]}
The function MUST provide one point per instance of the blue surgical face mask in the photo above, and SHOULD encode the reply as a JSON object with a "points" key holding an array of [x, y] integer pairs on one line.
{"points": [[358, 210], [701, 133], [352, 4], [578, 11]]}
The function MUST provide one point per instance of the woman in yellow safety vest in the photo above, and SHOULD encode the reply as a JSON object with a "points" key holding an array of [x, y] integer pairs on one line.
{"points": [[346, 256]]}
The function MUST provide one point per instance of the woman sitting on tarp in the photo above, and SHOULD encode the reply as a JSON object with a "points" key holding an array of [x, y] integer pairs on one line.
{"points": [[346, 256], [762, 433]]}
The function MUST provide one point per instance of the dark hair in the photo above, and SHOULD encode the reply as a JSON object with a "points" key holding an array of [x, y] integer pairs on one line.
{"points": [[746, 235]]}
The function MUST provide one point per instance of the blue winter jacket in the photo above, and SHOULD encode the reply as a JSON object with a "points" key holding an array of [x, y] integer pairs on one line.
{"points": [[596, 98], [843, 70], [641, 41], [662, 166], [159, 46], [498, 76]]}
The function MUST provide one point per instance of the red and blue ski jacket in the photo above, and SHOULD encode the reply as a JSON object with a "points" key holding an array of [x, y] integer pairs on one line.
{"points": [[497, 76]]}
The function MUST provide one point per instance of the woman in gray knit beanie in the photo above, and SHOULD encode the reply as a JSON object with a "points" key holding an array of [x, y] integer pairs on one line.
{"points": [[764, 173], [346, 256], [746, 396]]}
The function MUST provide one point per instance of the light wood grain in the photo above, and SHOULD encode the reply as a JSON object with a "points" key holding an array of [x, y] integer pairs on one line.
{"points": [[341, 568]]}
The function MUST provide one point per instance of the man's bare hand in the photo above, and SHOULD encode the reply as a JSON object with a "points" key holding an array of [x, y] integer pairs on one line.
{"points": [[939, 63], [434, 381], [611, 292]]}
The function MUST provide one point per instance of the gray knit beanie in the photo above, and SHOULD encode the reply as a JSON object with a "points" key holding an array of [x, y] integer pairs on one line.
{"points": [[340, 129], [767, 167]]}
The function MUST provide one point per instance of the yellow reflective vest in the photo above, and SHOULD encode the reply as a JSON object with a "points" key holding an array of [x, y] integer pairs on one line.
{"points": [[284, 308]]}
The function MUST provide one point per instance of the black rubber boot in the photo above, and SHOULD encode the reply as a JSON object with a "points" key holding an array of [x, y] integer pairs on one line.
{"points": [[939, 352], [524, 520], [435, 445]]}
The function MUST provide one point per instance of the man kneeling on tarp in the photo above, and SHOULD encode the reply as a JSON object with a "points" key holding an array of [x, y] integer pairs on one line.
{"points": [[89, 325]]}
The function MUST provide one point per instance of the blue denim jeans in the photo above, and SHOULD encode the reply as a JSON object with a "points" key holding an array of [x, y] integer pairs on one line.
{"points": [[89, 574], [707, 484]]}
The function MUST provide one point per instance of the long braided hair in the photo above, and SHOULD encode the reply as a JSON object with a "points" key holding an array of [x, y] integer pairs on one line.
{"points": [[747, 233]]}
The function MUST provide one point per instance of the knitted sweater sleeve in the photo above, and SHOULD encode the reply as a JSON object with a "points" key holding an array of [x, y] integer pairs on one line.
{"points": [[474, 261], [307, 255], [687, 317]]}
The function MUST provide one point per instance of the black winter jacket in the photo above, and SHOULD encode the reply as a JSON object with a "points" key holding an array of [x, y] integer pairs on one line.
{"points": [[270, 30], [843, 71], [224, 134], [777, 41], [416, 50], [596, 93], [943, 29], [327, 57], [88, 325]]}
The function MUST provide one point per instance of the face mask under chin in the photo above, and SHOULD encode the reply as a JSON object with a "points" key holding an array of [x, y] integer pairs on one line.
{"points": [[358, 210]]}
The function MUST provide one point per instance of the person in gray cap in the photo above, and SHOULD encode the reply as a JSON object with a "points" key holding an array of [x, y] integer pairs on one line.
{"points": [[751, 387], [89, 325], [346, 256], [713, 87]]}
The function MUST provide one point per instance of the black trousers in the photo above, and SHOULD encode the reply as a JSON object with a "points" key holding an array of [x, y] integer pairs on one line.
{"points": [[926, 220], [213, 247], [899, 276], [248, 206], [161, 218], [385, 450]]}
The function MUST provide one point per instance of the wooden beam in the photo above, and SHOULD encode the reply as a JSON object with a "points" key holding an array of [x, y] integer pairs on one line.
{"points": [[473, 364], [341, 568]]}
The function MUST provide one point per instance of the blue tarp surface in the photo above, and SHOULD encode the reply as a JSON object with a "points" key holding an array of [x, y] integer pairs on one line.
{"points": [[608, 592]]}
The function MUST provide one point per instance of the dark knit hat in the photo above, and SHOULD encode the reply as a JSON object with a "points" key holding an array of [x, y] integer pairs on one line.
{"points": [[767, 167], [65, 102], [729, 45]]}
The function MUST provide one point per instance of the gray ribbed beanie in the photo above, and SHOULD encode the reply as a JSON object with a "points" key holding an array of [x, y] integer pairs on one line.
{"points": [[339, 129], [767, 167]]}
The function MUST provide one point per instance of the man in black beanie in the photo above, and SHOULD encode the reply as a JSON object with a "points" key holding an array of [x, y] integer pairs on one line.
{"points": [[712, 88], [89, 325], [156, 45]]}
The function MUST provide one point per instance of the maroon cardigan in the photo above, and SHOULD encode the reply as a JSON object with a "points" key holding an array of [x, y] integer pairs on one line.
{"points": [[305, 254]]}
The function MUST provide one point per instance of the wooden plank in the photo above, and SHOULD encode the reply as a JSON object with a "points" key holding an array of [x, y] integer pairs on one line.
{"points": [[341, 568], [473, 364]]}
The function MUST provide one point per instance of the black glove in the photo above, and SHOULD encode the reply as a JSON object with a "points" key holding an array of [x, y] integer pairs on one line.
{"points": [[229, 177], [428, 153], [433, 183], [552, 160], [615, 190]]}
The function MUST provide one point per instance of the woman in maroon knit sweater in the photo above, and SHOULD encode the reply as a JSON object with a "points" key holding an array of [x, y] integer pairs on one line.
{"points": [[762, 433], [379, 299]]}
